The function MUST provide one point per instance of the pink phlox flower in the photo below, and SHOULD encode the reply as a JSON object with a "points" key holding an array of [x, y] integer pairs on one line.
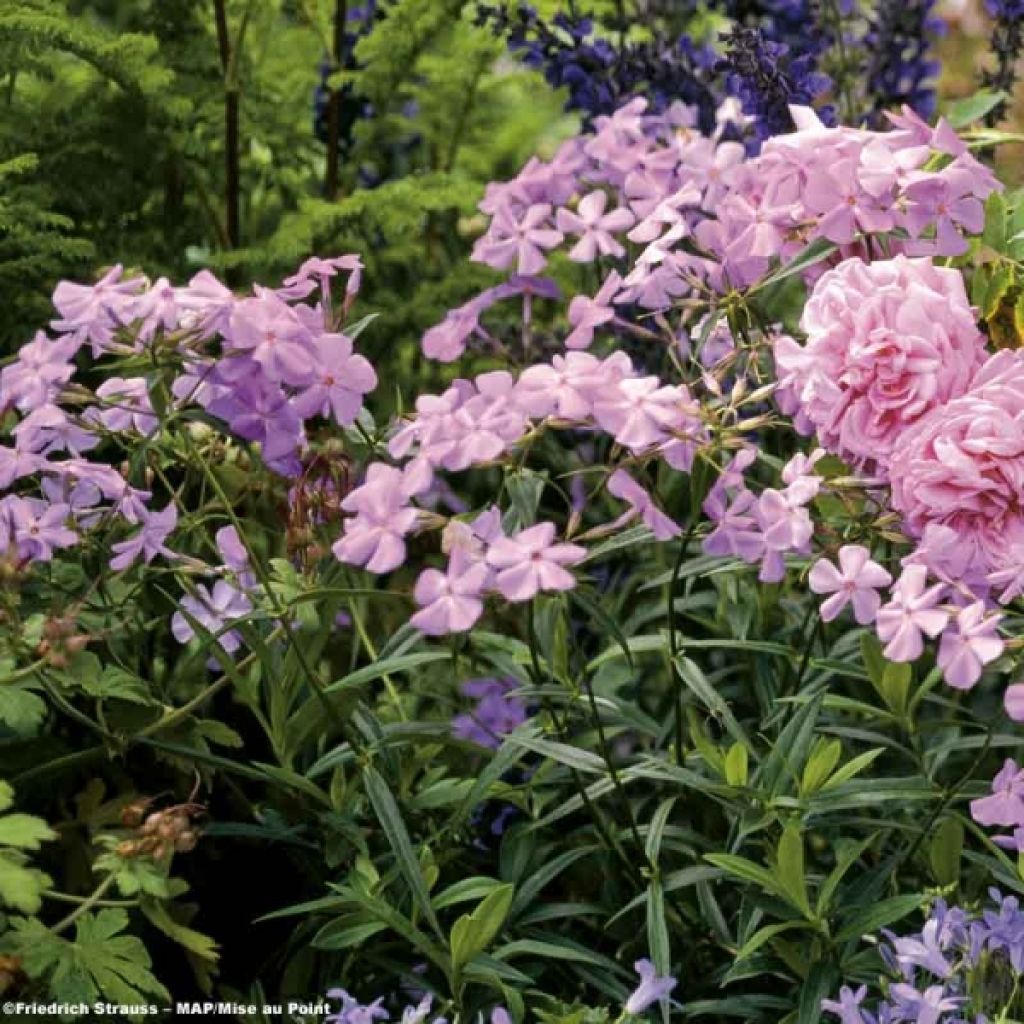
{"points": [[717, 342], [94, 312], [586, 314], [451, 601], [213, 611], [910, 613], [35, 529], [374, 536], [80, 493], [341, 378], [205, 305], [801, 468], [79, 480], [640, 412], [447, 340], [965, 650], [16, 463], [50, 429], [318, 272], [950, 200], [949, 559], [668, 214], [488, 423], [432, 426], [518, 241], [471, 539], [125, 406], [785, 525], [156, 309], [856, 581], [1010, 578], [235, 557], [271, 332], [736, 529], [569, 385], [36, 377], [595, 227], [927, 1007], [622, 485], [842, 207], [531, 561], [1006, 804], [147, 542]]}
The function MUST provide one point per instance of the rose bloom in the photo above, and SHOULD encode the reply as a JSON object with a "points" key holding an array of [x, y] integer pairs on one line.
{"points": [[887, 342], [962, 465]]}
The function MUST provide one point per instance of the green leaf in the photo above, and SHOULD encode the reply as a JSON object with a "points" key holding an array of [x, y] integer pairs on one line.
{"points": [[895, 686], [974, 107], [880, 915], [465, 889], [657, 927], [853, 767], [21, 710], [387, 667], [21, 886], [219, 733], [473, 933], [195, 942], [698, 683], [114, 683], [391, 821], [820, 765], [848, 854], [818, 250], [736, 765], [874, 659], [24, 831], [994, 233], [821, 981], [766, 934], [101, 962], [340, 934], [789, 868], [744, 869], [945, 850]]}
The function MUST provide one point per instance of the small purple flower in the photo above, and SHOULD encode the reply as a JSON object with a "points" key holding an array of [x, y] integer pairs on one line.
{"points": [[496, 714], [213, 611], [848, 1008], [147, 542], [652, 988], [34, 528], [352, 1011]]}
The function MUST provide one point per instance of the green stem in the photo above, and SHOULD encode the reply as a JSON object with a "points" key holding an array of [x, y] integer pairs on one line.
{"points": [[87, 904]]}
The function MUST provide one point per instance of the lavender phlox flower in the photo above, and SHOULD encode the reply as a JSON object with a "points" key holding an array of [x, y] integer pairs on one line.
{"points": [[148, 541]]}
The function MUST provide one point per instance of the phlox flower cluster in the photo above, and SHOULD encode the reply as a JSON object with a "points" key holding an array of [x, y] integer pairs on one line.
{"points": [[762, 528], [264, 365], [476, 422], [708, 217], [963, 967]]}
